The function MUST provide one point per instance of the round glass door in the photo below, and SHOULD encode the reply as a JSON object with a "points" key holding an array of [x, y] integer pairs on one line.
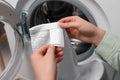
{"points": [[11, 48], [5, 52], [11, 44]]}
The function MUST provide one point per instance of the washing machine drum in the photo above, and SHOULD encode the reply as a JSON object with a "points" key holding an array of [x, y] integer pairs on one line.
{"points": [[11, 45], [52, 11]]}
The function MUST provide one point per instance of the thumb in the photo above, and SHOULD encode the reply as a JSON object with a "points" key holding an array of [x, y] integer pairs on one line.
{"points": [[51, 51]]}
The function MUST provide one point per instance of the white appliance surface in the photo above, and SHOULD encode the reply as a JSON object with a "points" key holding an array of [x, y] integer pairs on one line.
{"points": [[12, 2], [112, 10]]}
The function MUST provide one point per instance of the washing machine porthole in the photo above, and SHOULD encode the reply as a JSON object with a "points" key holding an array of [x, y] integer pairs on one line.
{"points": [[10, 45], [52, 11], [5, 52]]}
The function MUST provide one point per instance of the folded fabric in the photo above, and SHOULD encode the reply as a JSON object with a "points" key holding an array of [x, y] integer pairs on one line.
{"points": [[49, 33]]}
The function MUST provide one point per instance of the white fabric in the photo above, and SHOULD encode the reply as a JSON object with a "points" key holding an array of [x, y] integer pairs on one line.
{"points": [[49, 33]]}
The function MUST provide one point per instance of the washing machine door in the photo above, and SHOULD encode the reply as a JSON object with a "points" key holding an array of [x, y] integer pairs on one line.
{"points": [[11, 44]]}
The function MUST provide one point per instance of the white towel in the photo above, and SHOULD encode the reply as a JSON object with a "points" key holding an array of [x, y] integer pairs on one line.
{"points": [[49, 33]]}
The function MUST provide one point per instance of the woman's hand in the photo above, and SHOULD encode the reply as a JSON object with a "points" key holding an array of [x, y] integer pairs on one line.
{"points": [[44, 62], [80, 29]]}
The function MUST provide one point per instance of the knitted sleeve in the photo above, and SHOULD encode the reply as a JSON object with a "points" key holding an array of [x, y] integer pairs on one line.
{"points": [[109, 50]]}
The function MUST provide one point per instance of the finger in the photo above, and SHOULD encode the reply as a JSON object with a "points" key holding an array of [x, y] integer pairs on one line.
{"points": [[68, 31], [42, 50], [64, 25], [66, 19], [59, 59], [51, 51], [60, 54], [58, 49], [39, 53], [69, 25]]}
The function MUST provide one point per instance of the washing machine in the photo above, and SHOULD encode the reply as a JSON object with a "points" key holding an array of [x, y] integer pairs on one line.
{"points": [[13, 3], [80, 63]]}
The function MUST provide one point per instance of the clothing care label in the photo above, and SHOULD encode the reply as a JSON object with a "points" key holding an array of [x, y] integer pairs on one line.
{"points": [[56, 36]]}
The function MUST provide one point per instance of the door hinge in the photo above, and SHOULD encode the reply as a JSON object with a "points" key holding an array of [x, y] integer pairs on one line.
{"points": [[23, 27]]}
